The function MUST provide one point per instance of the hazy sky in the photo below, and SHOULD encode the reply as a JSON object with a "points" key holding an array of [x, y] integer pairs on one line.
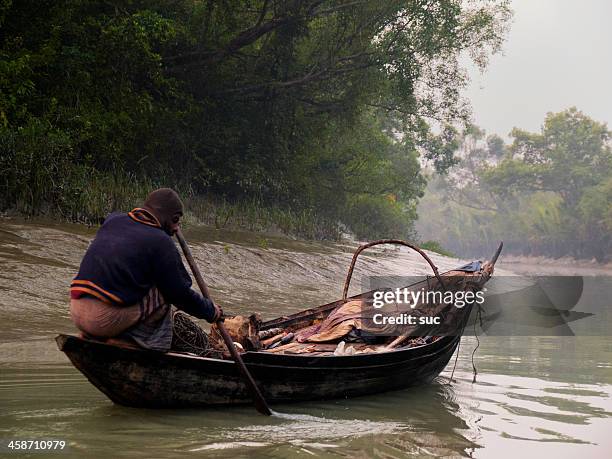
{"points": [[558, 54]]}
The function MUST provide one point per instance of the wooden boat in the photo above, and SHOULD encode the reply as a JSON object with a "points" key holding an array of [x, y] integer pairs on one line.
{"points": [[142, 378]]}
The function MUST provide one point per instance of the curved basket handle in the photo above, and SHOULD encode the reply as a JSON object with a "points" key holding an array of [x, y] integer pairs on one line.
{"points": [[387, 241]]}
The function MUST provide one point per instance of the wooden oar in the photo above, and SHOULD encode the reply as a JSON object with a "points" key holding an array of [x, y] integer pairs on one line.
{"points": [[259, 401]]}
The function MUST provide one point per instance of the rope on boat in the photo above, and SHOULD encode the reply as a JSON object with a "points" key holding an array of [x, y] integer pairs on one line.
{"points": [[455, 365], [479, 312], [478, 320], [474, 370]]}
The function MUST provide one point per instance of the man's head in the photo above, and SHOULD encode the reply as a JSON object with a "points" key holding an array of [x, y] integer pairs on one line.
{"points": [[166, 205]]}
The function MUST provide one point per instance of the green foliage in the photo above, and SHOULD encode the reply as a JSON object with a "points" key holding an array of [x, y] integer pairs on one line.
{"points": [[316, 108], [40, 176], [550, 194], [378, 217], [435, 246], [441, 149], [569, 155], [256, 216], [495, 146], [595, 208]]}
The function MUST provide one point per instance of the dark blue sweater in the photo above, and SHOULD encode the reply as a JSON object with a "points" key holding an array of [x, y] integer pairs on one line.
{"points": [[131, 254]]}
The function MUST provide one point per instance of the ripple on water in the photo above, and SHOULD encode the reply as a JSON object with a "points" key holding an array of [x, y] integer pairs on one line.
{"points": [[304, 430], [518, 409]]}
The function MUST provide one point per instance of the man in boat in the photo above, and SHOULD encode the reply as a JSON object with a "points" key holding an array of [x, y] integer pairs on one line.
{"points": [[131, 275]]}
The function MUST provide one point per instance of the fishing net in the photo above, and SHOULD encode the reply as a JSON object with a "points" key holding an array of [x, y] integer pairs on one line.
{"points": [[188, 336]]}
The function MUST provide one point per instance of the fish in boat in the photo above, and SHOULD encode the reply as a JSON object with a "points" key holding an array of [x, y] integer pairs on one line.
{"points": [[292, 372]]}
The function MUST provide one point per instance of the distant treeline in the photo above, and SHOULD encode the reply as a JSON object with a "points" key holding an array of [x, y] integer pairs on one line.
{"points": [[547, 193], [319, 107]]}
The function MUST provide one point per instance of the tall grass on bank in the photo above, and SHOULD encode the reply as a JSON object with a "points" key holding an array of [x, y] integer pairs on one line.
{"points": [[256, 216], [97, 195], [41, 175]]}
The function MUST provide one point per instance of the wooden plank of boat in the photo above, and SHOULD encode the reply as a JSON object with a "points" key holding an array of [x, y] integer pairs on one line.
{"points": [[143, 378]]}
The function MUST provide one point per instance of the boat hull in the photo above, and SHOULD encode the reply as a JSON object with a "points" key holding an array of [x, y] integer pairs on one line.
{"points": [[143, 378]]}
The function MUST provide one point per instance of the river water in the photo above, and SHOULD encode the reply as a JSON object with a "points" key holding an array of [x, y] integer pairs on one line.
{"points": [[533, 395]]}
